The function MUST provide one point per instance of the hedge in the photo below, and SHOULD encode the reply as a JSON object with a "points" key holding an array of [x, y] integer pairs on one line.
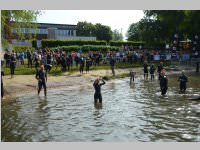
{"points": [[34, 43], [22, 48], [129, 43], [56, 43], [86, 48]]}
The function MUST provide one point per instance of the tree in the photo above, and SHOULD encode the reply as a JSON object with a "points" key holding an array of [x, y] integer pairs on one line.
{"points": [[133, 32], [85, 29], [116, 35], [103, 32], [14, 19]]}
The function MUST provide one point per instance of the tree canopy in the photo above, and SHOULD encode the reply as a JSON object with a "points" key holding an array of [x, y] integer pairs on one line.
{"points": [[15, 19], [159, 26]]}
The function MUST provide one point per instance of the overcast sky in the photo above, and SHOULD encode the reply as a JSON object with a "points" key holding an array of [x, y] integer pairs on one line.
{"points": [[116, 19]]}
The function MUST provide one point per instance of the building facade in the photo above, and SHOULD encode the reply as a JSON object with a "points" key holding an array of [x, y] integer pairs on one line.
{"points": [[47, 31]]}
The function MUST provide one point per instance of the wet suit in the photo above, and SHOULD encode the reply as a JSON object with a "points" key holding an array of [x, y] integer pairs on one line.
{"points": [[42, 79], [12, 65], [183, 80], [97, 94], [132, 76], [145, 71], [82, 63], [152, 70], [163, 85], [87, 65], [2, 91], [112, 64], [160, 67]]}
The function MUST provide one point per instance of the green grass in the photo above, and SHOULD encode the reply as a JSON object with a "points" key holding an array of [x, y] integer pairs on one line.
{"points": [[116, 76], [24, 70]]}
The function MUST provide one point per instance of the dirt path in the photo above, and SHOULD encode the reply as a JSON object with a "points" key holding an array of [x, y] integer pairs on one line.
{"points": [[27, 84]]}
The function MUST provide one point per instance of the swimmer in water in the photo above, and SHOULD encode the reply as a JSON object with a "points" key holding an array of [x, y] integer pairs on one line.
{"points": [[163, 83], [41, 76], [183, 79], [132, 76], [97, 86]]}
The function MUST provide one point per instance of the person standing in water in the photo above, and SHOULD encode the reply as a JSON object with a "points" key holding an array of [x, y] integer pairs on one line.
{"points": [[160, 68], [163, 83], [41, 76], [152, 71], [183, 79], [132, 76], [145, 70], [112, 64], [97, 86]]}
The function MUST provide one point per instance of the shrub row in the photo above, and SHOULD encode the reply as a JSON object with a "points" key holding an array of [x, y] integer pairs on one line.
{"points": [[129, 43], [86, 48], [56, 43], [22, 48]]}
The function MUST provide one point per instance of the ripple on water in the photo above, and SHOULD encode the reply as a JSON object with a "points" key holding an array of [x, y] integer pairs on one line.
{"points": [[135, 112]]}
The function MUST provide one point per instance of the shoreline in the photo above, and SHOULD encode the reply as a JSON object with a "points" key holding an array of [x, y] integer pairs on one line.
{"points": [[22, 85]]}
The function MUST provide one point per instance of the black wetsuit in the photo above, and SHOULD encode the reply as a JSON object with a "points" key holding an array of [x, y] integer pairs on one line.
{"points": [[82, 64], [152, 71], [12, 65], [87, 65], [197, 67], [163, 85], [2, 91], [112, 64], [29, 59], [132, 76], [68, 61], [97, 94], [160, 67], [42, 78], [183, 80], [146, 71]]}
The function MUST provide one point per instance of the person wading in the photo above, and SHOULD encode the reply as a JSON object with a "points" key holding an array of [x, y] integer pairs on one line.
{"points": [[183, 79], [41, 76], [97, 86], [163, 83]]}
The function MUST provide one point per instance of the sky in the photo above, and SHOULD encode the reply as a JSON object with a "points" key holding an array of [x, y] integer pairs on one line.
{"points": [[116, 19]]}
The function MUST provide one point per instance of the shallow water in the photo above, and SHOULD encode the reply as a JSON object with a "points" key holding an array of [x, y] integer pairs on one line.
{"points": [[134, 112]]}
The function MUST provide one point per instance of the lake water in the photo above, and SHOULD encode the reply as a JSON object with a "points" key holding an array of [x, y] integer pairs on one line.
{"points": [[129, 113]]}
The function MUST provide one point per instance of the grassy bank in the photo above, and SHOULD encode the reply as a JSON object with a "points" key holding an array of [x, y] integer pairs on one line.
{"points": [[24, 70]]}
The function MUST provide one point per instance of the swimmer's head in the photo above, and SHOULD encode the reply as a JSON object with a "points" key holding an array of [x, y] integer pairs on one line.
{"points": [[163, 72], [42, 67]]}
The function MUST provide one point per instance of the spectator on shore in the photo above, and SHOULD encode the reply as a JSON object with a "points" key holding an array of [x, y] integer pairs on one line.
{"points": [[12, 65], [112, 64]]}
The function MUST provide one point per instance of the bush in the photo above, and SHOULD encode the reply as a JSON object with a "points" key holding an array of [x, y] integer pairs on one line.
{"points": [[22, 48], [56, 43], [34, 43], [86, 48], [135, 44]]}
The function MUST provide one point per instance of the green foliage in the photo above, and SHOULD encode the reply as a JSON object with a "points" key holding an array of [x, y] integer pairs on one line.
{"points": [[22, 48], [159, 26], [87, 48], [129, 43], [55, 43], [15, 19], [34, 43], [117, 36], [101, 32]]}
